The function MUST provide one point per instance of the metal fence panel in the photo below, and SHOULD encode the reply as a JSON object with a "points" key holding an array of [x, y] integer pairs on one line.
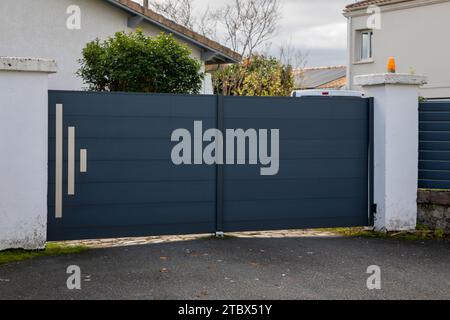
{"points": [[434, 147]]}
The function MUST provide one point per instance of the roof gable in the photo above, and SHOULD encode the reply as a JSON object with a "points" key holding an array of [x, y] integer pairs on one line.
{"points": [[213, 51], [360, 5]]}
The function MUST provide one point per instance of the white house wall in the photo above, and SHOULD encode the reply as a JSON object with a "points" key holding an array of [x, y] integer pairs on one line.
{"points": [[417, 37], [38, 29]]}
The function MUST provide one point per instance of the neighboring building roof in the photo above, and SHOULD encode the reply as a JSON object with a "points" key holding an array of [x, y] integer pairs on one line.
{"points": [[336, 84], [321, 78], [365, 4], [213, 52]]}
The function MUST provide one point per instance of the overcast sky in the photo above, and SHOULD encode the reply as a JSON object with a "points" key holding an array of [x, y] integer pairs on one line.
{"points": [[314, 26]]}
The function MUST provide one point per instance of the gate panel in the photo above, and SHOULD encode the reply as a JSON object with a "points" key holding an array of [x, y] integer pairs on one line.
{"points": [[323, 177], [131, 187], [111, 172]]}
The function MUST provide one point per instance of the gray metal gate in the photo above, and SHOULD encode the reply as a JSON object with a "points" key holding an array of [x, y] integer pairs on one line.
{"points": [[111, 173]]}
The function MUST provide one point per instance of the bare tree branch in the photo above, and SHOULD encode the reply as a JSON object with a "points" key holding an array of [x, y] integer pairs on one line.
{"points": [[250, 23], [207, 23], [290, 55], [247, 24], [180, 11]]}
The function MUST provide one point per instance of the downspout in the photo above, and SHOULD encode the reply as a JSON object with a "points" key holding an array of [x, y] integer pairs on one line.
{"points": [[349, 52]]}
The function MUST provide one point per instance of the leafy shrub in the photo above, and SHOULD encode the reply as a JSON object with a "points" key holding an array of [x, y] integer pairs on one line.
{"points": [[135, 62], [255, 76]]}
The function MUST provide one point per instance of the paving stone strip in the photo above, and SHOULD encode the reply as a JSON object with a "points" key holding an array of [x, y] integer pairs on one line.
{"points": [[125, 242]]}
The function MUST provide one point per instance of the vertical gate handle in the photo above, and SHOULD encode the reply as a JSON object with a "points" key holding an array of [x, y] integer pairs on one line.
{"points": [[58, 161], [71, 162], [83, 160]]}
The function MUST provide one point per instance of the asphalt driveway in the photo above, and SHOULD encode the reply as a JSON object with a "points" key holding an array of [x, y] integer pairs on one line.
{"points": [[240, 268]]}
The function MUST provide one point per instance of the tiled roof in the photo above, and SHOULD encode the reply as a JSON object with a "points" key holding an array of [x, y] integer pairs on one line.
{"points": [[223, 53], [364, 4], [312, 78]]}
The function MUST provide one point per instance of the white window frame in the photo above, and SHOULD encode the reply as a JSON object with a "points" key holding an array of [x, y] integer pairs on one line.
{"points": [[360, 50]]}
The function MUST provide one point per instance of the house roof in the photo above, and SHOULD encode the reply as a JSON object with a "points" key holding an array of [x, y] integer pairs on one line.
{"points": [[365, 4], [311, 78], [213, 52]]}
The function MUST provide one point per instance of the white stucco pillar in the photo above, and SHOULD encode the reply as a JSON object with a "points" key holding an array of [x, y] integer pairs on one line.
{"points": [[396, 143], [23, 151]]}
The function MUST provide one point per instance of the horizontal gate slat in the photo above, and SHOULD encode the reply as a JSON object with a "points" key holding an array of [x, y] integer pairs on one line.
{"points": [[434, 165], [141, 192], [324, 129], [111, 104], [142, 230], [436, 106], [158, 213], [332, 168], [435, 116], [124, 150], [131, 128], [434, 175], [306, 108], [295, 189], [434, 184], [434, 126], [139, 171], [434, 135], [262, 210], [434, 145], [434, 155]]}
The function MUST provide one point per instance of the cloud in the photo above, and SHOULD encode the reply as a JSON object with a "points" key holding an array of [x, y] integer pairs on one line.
{"points": [[332, 36]]}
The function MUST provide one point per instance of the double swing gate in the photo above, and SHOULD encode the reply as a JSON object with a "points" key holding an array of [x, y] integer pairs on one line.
{"points": [[112, 171]]}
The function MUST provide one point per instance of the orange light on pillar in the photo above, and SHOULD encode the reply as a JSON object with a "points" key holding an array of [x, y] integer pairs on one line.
{"points": [[391, 65]]}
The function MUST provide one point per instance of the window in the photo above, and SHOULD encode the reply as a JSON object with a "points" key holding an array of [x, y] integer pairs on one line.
{"points": [[364, 45]]}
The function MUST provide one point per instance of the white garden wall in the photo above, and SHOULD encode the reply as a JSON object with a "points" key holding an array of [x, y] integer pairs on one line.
{"points": [[23, 155]]}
